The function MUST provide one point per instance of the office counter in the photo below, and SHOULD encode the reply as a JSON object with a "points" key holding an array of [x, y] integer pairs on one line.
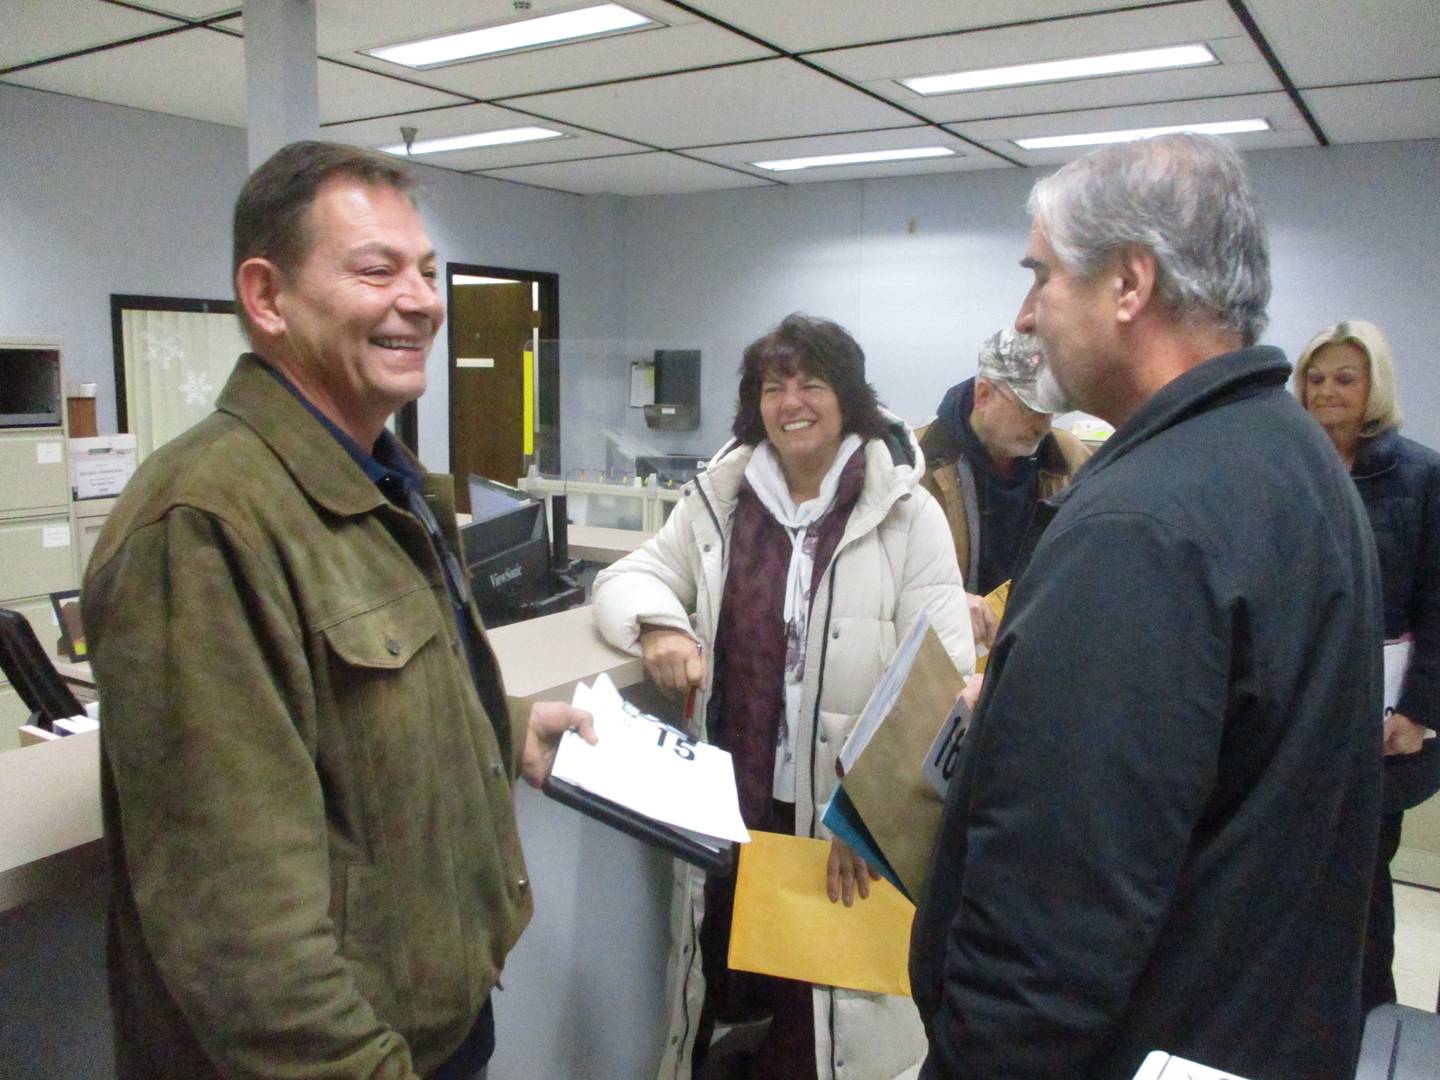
{"points": [[584, 989]]}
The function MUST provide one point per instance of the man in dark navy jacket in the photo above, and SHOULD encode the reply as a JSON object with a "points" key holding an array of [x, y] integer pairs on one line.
{"points": [[1161, 830]]}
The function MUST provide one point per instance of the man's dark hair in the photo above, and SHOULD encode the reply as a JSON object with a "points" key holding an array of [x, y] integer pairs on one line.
{"points": [[808, 346], [270, 212]]}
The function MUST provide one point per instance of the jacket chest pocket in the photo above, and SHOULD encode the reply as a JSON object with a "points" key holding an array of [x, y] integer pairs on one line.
{"points": [[383, 699]]}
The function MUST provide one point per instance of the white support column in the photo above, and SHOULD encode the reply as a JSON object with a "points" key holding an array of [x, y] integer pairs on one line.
{"points": [[282, 97]]}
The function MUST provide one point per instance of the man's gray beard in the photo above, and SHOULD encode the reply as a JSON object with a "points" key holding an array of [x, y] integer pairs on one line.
{"points": [[1048, 394]]}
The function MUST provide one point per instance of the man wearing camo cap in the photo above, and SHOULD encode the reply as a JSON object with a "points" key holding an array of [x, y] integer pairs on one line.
{"points": [[990, 456]]}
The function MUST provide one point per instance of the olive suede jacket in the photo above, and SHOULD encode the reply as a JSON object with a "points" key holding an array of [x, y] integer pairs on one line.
{"points": [[308, 810]]}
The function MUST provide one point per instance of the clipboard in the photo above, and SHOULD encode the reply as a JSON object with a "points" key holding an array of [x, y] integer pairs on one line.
{"points": [[713, 855]]}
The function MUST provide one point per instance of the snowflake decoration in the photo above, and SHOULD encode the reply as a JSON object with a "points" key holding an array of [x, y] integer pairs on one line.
{"points": [[162, 348], [197, 388]]}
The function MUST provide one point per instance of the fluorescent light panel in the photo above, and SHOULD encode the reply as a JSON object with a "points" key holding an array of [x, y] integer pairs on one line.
{"points": [[1099, 138], [867, 157], [587, 22], [476, 279], [503, 137], [1085, 67]]}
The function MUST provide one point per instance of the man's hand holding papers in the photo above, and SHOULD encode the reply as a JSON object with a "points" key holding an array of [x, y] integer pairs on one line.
{"points": [[646, 777]]}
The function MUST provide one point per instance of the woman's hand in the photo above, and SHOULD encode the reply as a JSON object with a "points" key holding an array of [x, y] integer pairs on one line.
{"points": [[673, 659], [1403, 735], [846, 874]]}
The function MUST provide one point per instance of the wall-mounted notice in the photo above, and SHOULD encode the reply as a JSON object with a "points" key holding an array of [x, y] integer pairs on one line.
{"points": [[55, 536], [642, 384], [49, 453]]}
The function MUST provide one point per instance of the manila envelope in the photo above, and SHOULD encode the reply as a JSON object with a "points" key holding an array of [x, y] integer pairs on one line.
{"points": [[785, 925], [887, 785]]}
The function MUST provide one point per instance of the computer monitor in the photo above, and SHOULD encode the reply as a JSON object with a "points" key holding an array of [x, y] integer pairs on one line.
{"points": [[506, 548]]}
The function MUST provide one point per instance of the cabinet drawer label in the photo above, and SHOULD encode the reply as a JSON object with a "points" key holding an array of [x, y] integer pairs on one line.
{"points": [[55, 536], [49, 453]]}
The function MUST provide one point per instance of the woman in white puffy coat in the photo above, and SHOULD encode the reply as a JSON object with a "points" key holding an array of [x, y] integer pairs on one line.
{"points": [[777, 592]]}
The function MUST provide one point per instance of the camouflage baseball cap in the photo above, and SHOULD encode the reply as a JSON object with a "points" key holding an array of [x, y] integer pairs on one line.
{"points": [[1016, 360]]}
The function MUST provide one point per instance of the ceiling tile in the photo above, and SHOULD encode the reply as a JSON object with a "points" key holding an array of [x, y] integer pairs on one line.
{"points": [[966, 157], [767, 99], [1289, 127], [801, 25], [471, 118], [636, 174], [39, 29], [624, 56], [348, 93], [1323, 42], [1357, 114]]}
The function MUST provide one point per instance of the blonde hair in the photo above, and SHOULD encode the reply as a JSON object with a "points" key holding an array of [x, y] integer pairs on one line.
{"points": [[1382, 410]]}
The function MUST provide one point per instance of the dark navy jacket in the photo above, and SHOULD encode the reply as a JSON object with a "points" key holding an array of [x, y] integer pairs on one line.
{"points": [[1399, 482], [1161, 831]]}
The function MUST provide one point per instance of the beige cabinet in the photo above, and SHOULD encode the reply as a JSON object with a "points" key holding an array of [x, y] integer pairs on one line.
{"points": [[37, 538]]}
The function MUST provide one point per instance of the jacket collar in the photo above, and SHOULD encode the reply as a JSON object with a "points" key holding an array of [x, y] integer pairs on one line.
{"points": [[1217, 381], [1377, 454], [322, 468]]}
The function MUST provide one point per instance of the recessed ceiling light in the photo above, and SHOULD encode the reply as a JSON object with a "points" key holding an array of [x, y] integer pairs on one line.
{"points": [[866, 157], [479, 138], [1098, 138], [1085, 67], [565, 26]]}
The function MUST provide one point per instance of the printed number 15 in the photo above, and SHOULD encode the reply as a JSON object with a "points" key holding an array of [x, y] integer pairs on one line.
{"points": [[684, 748]]}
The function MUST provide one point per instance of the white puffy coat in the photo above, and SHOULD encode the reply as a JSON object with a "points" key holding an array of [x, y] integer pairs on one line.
{"points": [[894, 558]]}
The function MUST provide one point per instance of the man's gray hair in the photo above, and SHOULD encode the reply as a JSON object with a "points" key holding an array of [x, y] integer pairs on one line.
{"points": [[1187, 199]]}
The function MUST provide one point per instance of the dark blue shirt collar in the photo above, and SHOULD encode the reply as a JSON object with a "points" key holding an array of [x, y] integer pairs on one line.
{"points": [[385, 464]]}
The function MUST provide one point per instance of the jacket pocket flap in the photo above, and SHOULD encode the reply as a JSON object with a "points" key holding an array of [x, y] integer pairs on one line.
{"points": [[386, 636]]}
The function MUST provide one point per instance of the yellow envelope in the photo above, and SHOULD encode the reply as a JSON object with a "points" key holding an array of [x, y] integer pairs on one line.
{"points": [[997, 598], [785, 925]]}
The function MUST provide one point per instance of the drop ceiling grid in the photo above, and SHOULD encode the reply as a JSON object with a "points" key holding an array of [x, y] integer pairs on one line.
{"points": [[624, 56], [765, 99], [39, 29], [808, 25], [1092, 35], [641, 174], [200, 74]]}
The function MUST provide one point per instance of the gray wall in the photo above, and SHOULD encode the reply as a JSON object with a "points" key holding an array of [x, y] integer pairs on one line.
{"points": [[1354, 233], [98, 199]]}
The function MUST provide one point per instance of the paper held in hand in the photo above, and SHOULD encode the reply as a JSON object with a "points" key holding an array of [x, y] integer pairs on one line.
{"points": [[1397, 663], [649, 778]]}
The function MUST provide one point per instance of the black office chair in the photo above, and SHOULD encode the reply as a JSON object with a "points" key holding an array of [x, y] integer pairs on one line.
{"points": [[34, 677], [1400, 1043]]}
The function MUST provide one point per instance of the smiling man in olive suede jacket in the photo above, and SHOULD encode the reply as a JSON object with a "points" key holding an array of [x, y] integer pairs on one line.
{"points": [[307, 758]]}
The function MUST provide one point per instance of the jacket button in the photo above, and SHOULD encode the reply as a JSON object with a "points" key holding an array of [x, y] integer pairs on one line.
{"points": [[705, 548], [494, 768], [392, 646], [824, 738], [674, 1039], [835, 633], [523, 884]]}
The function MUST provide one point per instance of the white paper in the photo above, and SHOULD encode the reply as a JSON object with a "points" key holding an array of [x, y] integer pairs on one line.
{"points": [[650, 767], [642, 385], [55, 536], [1159, 1065], [887, 690], [49, 453], [1397, 662]]}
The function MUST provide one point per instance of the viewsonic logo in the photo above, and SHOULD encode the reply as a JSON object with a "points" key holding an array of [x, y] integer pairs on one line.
{"points": [[509, 574]]}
